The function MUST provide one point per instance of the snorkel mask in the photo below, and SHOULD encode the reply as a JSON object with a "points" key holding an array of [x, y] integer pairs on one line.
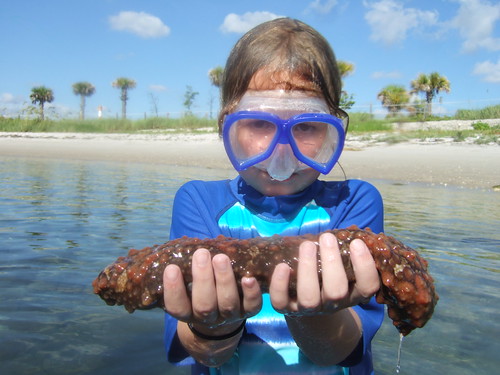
{"points": [[283, 132]]}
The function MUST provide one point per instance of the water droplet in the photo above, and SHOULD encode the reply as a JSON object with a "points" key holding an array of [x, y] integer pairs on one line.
{"points": [[398, 364]]}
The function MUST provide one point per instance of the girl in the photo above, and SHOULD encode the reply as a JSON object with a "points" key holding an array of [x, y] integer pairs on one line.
{"points": [[282, 126]]}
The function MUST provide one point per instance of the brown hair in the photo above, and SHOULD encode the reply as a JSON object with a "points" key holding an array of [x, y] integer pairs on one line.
{"points": [[280, 47]]}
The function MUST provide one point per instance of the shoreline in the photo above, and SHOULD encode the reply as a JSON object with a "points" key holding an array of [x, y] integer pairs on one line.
{"points": [[443, 163]]}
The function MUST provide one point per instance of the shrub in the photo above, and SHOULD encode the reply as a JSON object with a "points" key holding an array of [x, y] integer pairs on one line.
{"points": [[474, 114], [480, 126]]}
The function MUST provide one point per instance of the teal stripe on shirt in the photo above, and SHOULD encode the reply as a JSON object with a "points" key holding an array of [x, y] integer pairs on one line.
{"points": [[241, 218]]}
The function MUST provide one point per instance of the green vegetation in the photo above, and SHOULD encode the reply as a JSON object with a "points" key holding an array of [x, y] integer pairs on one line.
{"points": [[41, 95], [154, 124], [478, 114], [430, 85], [394, 98], [364, 122], [345, 69], [215, 75], [189, 98], [480, 126], [124, 84], [477, 137], [360, 124], [83, 89]]}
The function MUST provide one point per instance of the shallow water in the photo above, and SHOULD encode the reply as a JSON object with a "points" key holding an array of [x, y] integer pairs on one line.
{"points": [[61, 222]]}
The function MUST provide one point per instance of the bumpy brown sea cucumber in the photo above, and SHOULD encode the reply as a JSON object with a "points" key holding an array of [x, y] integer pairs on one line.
{"points": [[136, 281]]}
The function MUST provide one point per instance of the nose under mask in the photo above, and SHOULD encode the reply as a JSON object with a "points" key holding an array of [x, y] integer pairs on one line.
{"points": [[281, 164]]}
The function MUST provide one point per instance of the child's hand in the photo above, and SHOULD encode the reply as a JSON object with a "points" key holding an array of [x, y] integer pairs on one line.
{"points": [[215, 305], [336, 293], [319, 319]]}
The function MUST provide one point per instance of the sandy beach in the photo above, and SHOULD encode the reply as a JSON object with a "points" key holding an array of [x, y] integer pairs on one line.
{"points": [[441, 162]]}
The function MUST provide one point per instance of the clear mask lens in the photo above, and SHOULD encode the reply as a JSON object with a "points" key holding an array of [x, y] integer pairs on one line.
{"points": [[283, 132], [316, 141], [251, 137]]}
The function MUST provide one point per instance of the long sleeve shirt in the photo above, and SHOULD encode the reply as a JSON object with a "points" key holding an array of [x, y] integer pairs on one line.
{"points": [[234, 209]]}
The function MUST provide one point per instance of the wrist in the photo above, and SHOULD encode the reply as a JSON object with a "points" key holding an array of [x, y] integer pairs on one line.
{"points": [[216, 336]]}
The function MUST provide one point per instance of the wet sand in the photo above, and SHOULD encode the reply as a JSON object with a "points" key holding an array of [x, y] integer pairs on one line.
{"points": [[439, 163]]}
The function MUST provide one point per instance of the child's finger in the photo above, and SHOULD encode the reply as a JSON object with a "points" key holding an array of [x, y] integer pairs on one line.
{"points": [[367, 280], [228, 299], [335, 285], [176, 300], [204, 294], [308, 290], [278, 290], [252, 296]]}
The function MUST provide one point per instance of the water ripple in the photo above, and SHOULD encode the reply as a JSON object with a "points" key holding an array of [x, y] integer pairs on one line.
{"points": [[61, 222]]}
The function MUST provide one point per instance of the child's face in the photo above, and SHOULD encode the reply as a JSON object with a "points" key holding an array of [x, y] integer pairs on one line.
{"points": [[259, 178]]}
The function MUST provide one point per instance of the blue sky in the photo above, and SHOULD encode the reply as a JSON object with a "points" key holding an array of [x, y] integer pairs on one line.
{"points": [[167, 45]]}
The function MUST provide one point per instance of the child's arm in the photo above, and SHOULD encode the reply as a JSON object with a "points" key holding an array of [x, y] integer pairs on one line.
{"points": [[327, 339], [214, 312], [321, 320]]}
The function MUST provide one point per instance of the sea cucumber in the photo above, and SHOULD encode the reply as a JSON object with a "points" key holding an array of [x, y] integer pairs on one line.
{"points": [[407, 289]]}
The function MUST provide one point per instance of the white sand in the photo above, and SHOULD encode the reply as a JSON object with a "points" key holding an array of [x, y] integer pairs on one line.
{"points": [[443, 163]]}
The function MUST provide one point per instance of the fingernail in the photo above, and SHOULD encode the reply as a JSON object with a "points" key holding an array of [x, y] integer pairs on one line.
{"points": [[282, 272], [311, 253], [327, 239], [221, 264], [358, 246], [308, 251], [202, 258], [248, 282], [171, 273]]}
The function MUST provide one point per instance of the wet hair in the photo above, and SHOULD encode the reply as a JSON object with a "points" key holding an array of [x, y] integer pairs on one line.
{"points": [[280, 48]]}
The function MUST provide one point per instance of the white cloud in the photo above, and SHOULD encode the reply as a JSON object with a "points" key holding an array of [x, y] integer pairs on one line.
{"points": [[234, 23], [157, 88], [56, 110], [140, 23], [489, 70], [322, 6], [8, 98], [390, 75], [391, 22], [16, 105], [475, 20], [11, 104], [438, 109]]}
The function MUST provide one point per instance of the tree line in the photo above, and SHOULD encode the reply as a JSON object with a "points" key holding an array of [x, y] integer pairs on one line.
{"points": [[42, 94], [394, 98]]}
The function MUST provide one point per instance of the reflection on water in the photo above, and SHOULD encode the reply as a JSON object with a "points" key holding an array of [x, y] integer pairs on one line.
{"points": [[457, 231], [61, 222]]}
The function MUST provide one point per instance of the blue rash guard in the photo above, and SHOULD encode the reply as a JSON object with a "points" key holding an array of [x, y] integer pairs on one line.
{"points": [[234, 209]]}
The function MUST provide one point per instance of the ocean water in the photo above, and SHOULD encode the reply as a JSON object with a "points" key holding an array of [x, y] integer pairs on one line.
{"points": [[61, 222]]}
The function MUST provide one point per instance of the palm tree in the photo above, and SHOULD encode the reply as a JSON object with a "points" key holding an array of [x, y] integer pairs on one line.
{"points": [[189, 97], [394, 98], [124, 84], [83, 89], [345, 68], [41, 95], [430, 85], [215, 75]]}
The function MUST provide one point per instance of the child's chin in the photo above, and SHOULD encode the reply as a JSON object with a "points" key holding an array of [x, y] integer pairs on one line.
{"points": [[265, 184]]}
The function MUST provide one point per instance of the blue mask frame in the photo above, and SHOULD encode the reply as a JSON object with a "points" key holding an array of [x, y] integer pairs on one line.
{"points": [[284, 136]]}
